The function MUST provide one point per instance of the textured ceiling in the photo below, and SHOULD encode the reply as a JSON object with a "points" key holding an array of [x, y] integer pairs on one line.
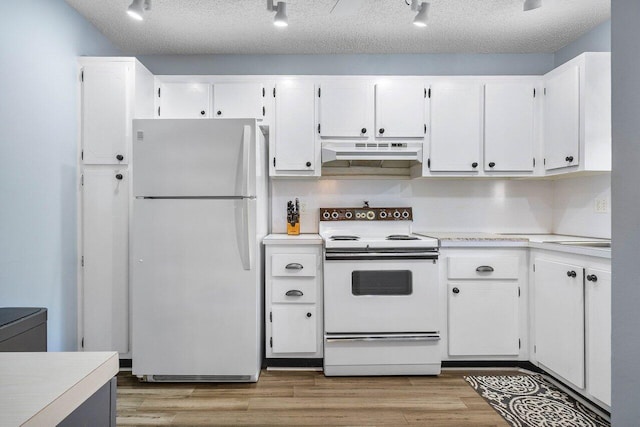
{"points": [[380, 26]]}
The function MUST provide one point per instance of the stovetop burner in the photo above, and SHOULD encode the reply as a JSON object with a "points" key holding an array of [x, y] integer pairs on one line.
{"points": [[345, 238], [402, 237]]}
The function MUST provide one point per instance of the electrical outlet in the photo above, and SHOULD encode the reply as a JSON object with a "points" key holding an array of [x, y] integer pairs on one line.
{"points": [[303, 207], [601, 205]]}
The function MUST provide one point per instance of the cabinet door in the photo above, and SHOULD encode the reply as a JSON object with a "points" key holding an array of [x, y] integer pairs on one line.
{"points": [[294, 329], [508, 127], [105, 121], [456, 127], [184, 100], [483, 319], [400, 110], [346, 110], [238, 101], [559, 319], [598, 290], [562, 119], [294, 127], [105, 285]]}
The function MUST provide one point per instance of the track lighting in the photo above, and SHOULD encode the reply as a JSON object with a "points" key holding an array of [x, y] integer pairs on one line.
{"points": [[137, 7], [531, 4], [423, 13], [280, 20]]}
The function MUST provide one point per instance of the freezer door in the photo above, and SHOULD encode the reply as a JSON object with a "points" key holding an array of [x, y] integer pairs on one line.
{"points": [[195, 294], [194, 157]]}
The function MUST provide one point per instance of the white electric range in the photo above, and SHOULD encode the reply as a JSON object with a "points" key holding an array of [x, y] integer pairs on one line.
{"points": [[380, 294]]}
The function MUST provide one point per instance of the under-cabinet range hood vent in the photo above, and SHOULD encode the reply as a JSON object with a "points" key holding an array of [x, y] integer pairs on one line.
{"points": [[370, 158]]}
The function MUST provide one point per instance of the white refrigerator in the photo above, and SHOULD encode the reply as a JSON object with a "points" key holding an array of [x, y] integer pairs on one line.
{"points": [[199, 215]]}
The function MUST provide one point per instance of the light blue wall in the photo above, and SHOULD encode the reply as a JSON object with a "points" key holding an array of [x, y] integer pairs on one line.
{"points": [[39, 43], [400, 64], [625, 197], [596, 40]]}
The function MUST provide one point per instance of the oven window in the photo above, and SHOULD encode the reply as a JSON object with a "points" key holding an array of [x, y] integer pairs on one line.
{"points": [[398, 282]]}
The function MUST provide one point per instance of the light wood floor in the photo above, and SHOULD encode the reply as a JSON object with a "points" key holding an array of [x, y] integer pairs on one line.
{"points": [[308, 398]]}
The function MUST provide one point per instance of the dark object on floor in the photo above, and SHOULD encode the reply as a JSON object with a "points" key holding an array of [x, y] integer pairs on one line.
{"points": [[23, 329], [532, 401]]}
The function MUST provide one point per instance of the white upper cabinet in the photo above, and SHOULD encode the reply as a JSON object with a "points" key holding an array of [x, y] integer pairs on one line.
{"points": [[346, 110], [294, 146], [105, 123], [456, 127], [562, 119], [238, 100], [184, 100], [577, 115], [509, 127], [400, 110], [105, 249]]}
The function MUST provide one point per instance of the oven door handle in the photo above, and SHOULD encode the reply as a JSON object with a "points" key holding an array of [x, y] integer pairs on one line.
{"points": [[372, 256], [382, 338]]}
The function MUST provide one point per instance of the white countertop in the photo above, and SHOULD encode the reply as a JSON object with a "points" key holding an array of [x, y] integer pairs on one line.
{"points": [[537, 241], [286, 239], [44, 388]]}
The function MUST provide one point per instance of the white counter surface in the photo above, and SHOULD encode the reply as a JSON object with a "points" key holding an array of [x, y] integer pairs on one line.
{"points": [[536, 241], [286, 239], [42, 389]]}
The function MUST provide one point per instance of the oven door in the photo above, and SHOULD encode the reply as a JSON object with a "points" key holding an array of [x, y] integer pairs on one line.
{"points": [[390, 294]]}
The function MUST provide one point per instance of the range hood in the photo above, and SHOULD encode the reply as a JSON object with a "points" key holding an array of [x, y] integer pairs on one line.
{"points": [[370, 158]]}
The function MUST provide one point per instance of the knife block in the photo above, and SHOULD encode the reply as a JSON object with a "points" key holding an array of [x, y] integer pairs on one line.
{"points": [[293, 230]]}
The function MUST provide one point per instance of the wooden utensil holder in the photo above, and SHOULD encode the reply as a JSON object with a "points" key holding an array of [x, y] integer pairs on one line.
{"points": [[293, 230]]}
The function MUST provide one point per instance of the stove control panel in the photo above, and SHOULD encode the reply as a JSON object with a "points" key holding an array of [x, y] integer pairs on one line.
{"points": [[366, 214]]}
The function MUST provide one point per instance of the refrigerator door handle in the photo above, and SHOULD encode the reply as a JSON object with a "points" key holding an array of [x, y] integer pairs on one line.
{"points": [[245, 238], [246, 159]]}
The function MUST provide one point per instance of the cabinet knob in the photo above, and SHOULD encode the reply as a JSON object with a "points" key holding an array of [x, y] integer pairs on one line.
{"points": [[569, 159], [219, 113], [119, 176], [571, 273], [120, 157], [492, 164], [363, 130], [474, 165], [308, 314], [455, 290], [381, 131], [308, 164], [592, 278], [202, 113]]}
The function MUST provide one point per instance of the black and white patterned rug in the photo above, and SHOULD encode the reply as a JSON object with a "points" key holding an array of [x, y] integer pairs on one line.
{"points": [[532, 401]]}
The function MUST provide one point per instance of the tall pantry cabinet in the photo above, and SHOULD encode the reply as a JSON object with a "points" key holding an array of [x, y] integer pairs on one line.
{"points": [[112, 91]]}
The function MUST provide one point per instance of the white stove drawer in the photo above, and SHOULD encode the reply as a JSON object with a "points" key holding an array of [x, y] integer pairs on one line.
{"points": [[479, 268], [293, 290], [392, 355], [293, 265]]}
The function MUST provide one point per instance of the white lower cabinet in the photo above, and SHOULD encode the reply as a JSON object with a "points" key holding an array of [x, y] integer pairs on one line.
{"points": [[105, 259], [572, 321], [293, 299], [483, 319], [486, 304]]}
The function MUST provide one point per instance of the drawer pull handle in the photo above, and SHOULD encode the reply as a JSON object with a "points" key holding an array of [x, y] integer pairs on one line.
{"points": [[484, 269], [294, 293], [294, 266]]}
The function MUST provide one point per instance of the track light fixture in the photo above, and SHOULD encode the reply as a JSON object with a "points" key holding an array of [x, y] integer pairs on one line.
{"points": [[137, 8], [423, 13], [531, 4], [280, 20]]}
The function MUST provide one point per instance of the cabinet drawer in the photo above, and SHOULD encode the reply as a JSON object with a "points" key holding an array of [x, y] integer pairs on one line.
{"points": [[298, 265], [503, 267], [301, 290]]}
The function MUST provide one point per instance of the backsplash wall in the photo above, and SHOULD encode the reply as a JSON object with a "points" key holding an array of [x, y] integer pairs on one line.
{"points": [[510, 206], [574, 202]]}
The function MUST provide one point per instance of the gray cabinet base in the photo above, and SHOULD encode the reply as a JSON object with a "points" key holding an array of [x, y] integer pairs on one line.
{"points": [[99, 410]]}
